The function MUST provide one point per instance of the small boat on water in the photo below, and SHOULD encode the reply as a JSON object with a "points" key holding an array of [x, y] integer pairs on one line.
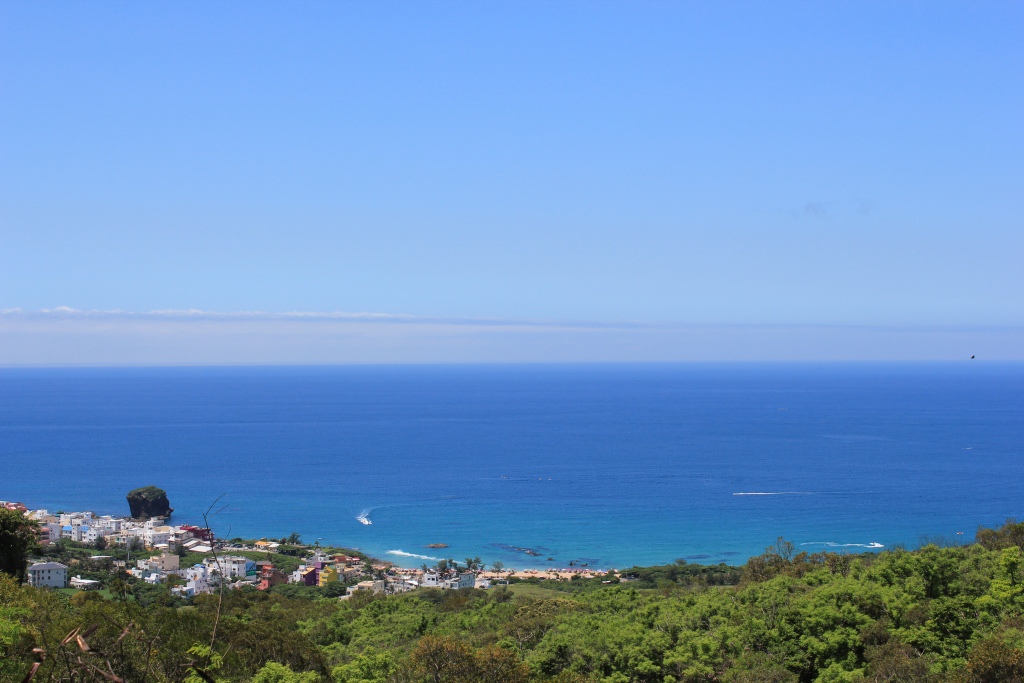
{"points": [[363, 519]]}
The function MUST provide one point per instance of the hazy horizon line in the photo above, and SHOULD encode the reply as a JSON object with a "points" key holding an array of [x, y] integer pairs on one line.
{"points": [[552, 363], [409, 318], [64, 336]]}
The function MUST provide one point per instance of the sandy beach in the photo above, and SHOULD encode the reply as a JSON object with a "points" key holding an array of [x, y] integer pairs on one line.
{"points": [[554, 574]]}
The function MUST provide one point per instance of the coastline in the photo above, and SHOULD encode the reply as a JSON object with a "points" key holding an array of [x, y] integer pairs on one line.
{"points": [[114, 529], [612, 467], [518, 567]]}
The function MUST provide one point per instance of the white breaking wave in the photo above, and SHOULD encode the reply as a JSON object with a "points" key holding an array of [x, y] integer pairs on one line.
{"points": [[402, 553], [775, 493], [874, 544]]}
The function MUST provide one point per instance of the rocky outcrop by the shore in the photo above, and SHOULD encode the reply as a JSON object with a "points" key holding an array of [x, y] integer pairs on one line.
{"points": [[149, 501]]}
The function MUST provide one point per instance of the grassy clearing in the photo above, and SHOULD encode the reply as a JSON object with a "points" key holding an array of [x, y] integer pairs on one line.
{"points": [[102, 592], [531, 591]]}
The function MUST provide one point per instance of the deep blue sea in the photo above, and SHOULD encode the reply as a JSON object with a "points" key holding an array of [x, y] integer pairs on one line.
{"points": [[612, 465]]}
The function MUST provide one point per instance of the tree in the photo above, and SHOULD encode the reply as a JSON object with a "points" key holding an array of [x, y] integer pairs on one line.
{"points": [[18, 536], [272, 672], [101, 543], [498, 665], [119, 586], [448, 660], [294, 538], [369, 667], [894, 661], [1010, 561], [993, 661], [1011, 533], [444, 660]]}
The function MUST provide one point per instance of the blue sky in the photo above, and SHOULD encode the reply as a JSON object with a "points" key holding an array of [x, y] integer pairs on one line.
{"points": [[650, 165]]}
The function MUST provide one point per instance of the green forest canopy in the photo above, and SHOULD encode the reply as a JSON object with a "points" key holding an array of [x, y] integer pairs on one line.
{"points": [[932, 614]]}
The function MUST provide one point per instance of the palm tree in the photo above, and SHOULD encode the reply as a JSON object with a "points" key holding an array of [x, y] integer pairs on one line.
{"points": [[497, 567]]}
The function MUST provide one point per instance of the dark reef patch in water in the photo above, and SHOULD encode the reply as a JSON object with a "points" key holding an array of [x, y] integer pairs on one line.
{"points": [[532, 552]]}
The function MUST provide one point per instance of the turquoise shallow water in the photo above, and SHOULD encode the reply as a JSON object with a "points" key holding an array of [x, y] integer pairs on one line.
{"points": [[610, 464]]}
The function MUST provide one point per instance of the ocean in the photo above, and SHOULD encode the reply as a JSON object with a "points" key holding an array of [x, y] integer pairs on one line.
{"points": [[603, 465]]}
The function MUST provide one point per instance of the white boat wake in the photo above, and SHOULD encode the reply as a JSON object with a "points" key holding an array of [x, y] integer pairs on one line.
{"points": [[402, 553], [363, 518], [874, 545], [775, 493]]}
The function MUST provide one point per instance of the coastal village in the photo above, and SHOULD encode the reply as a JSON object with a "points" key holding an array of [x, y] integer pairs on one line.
{"points": [[191, 561]]}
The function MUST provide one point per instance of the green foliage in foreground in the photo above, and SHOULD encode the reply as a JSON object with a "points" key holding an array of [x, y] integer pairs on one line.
{"points": [[17, 539], [931, 615]]}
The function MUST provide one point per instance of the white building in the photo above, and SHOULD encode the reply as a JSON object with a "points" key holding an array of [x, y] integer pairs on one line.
{"points": [[154, 536], [84, 584], [434, 580], [191, 543], [127, 534], [148, 575], [297, 575], [377, 587], [463, 581], [231, 566], [49, 532], [91, 533], [72, 518], [49, 574], [197, 580], [108, 523], [401, 584]]}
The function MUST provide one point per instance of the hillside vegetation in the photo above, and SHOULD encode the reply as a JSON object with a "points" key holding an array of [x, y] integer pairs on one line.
{"points": [[932, 614]]}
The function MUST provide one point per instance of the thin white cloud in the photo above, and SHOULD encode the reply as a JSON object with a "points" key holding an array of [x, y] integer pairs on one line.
{"points": [[327, 316], [185, 313], [67, 336], [369, 317]]}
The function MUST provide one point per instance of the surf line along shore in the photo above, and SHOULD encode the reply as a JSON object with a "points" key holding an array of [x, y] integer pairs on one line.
{"points": [[543, 573], [202, 540], [562, 574]]}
